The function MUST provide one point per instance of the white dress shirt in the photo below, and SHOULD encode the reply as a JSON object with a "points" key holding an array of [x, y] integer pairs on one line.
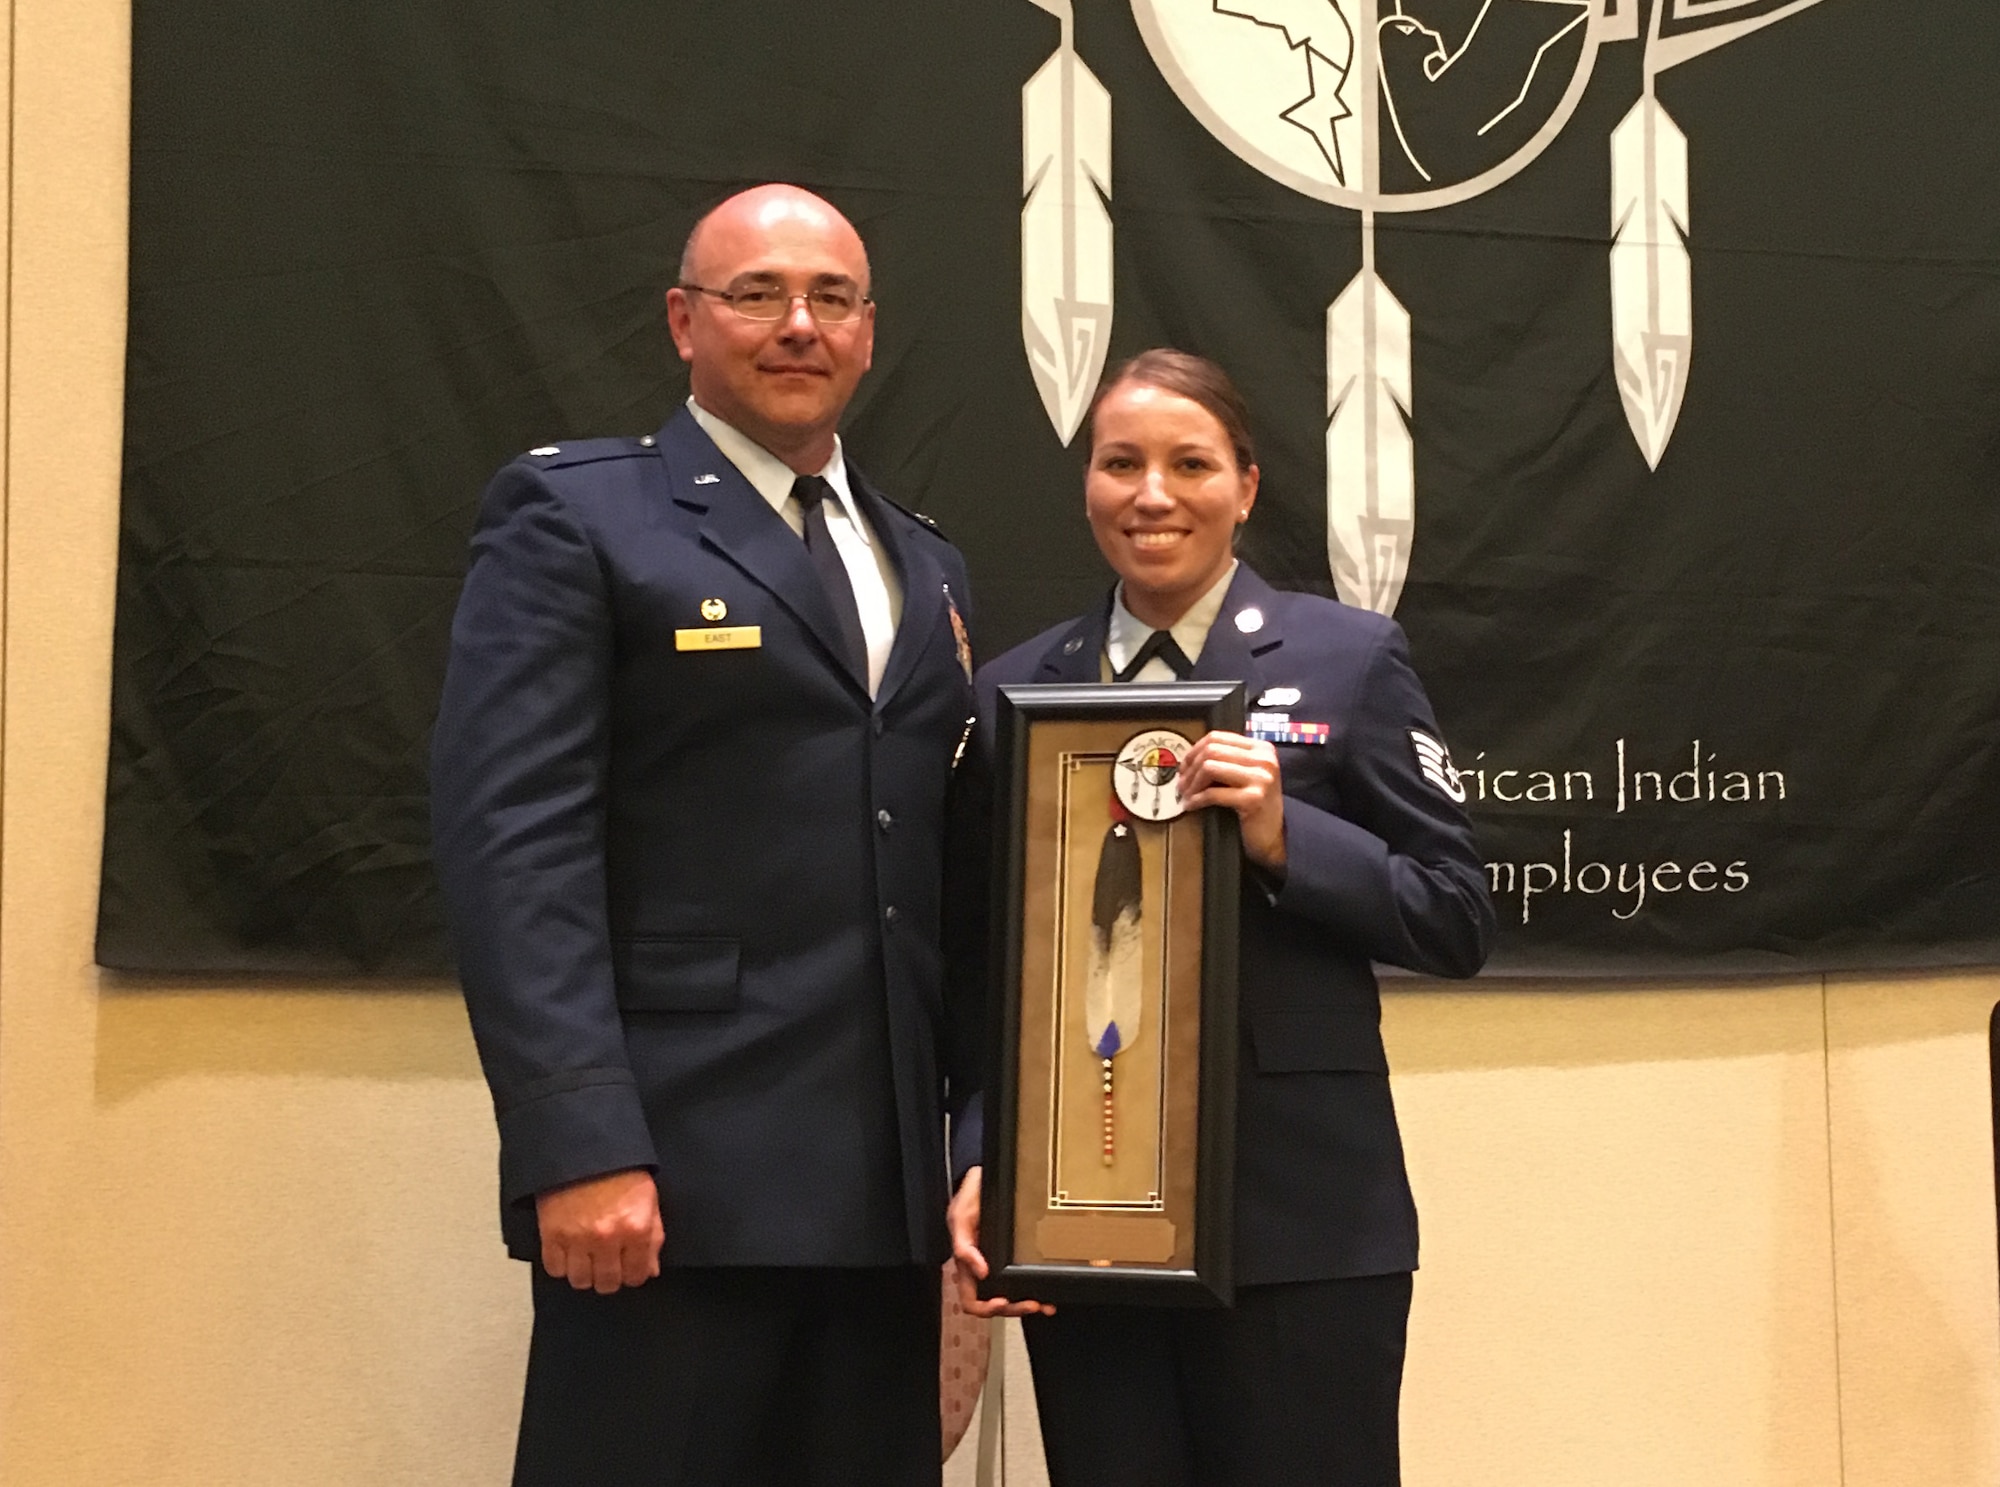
{"points": [[1128, 632], [877, 594]]}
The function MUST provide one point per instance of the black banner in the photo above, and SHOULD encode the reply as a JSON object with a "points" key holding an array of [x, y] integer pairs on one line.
{"points": [[1645, 359]]}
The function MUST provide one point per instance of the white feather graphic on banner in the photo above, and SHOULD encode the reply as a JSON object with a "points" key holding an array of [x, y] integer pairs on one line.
{"points": [[1652, 301], [1065, 229], [1370, 466]]}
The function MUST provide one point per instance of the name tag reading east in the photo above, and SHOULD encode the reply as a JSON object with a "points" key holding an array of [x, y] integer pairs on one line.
{"points": [[720, 638]]}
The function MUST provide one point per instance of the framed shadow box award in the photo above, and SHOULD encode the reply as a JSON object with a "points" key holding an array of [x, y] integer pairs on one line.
{"points": [[1110, 1114]]}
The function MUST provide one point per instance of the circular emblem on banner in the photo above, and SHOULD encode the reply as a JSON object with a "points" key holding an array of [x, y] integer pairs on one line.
{"points": [[1146, 777], [1443, 101]]}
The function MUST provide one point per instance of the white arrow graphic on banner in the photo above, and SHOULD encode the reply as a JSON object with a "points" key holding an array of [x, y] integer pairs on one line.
{"points": [[1652, 298], [1065, 229], [1371, 485]]}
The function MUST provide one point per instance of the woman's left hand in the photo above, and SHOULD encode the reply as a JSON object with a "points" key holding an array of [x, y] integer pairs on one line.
{"points": [[1241, 774]]}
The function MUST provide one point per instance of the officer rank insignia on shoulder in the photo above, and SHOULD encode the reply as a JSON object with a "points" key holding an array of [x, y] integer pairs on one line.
{"points": [[1434, 760], [588, 451], [929, 524]]}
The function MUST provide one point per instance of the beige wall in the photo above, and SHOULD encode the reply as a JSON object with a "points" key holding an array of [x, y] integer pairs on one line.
{"points": [[1689, 1235], [1673, 1235]]}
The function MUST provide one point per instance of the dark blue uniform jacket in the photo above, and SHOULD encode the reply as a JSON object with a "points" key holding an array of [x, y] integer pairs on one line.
{"points": [[695, 893]]}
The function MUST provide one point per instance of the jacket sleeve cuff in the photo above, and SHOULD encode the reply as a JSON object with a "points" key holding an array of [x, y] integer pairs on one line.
{"points": [[593, 1126]]}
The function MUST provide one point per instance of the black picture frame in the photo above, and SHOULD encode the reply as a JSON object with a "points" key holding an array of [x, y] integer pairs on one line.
{"points": [[1207, 1277]]}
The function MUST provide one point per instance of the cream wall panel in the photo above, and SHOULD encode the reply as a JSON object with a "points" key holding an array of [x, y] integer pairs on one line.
{"points": [[303, 1283], [1914, 1229], [1627, 1271], [6, 316]]}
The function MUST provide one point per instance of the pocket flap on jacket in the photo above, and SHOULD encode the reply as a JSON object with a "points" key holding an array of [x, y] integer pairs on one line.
{"points": [[1298, 1042], [675, 975]]}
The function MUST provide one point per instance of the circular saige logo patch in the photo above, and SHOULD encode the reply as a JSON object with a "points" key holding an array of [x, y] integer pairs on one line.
{"points": [[1146, 776]]}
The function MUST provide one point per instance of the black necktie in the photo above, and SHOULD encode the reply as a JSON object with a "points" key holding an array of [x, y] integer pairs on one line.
{"points": [[1160, 643], [811, 493]]}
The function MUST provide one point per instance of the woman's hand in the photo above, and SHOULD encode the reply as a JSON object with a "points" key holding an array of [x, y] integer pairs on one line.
{"points": [[1227, 769], [963, 1218]]}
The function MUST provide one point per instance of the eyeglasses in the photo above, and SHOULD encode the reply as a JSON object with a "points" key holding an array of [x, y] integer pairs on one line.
{"points": [[828, 304]]}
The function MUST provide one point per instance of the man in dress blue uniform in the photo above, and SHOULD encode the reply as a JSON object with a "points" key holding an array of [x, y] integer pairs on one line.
{"points": [[690, 782]]}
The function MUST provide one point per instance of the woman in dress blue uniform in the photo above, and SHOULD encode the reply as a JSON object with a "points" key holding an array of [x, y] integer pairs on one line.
{"points": [[1357, 850]]}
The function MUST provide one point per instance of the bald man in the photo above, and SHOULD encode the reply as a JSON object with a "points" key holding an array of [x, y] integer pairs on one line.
{"points": [[690, 785]]}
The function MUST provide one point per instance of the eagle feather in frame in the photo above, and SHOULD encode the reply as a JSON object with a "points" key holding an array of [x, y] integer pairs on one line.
{"points": [[1114, 990]]}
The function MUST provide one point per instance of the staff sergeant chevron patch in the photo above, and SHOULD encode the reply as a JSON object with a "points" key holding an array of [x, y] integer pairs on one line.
{"points": [[1434, 759]]}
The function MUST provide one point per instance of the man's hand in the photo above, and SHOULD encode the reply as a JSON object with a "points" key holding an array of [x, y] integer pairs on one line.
{"points": [[603, 1232], [963, 1217], [1240, 774]]}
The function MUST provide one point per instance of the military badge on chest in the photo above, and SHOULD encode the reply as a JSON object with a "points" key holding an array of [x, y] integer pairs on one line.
{"points": [[714, 635], [958, 635]]}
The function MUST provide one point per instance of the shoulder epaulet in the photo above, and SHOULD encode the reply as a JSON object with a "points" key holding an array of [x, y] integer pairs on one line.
{"points": [[927, 523], [589, 451]]}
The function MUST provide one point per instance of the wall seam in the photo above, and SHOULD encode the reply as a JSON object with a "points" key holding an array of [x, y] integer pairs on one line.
{"points": [[10, 123], [1832, 1223], [6, 436]]}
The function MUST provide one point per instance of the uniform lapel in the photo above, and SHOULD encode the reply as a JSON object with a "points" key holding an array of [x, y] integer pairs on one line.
{"points": [[1232, 653], [1077, 653], [740, 524], [924, 619]]}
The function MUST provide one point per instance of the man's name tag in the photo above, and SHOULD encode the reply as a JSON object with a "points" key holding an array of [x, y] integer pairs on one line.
{"points": [[720, 638]]}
